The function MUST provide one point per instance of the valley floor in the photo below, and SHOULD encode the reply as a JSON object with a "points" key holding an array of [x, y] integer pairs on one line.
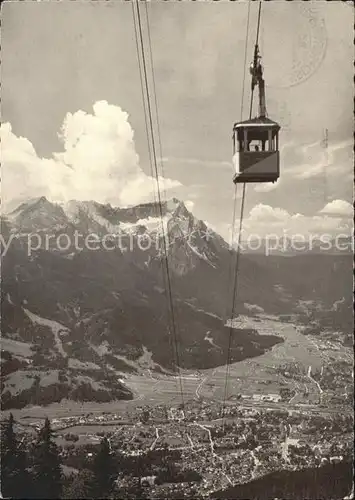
{"points": [[256, 381]]}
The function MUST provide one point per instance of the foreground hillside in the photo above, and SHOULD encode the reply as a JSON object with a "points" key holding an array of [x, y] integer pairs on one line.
{"points": [[330, 481]]}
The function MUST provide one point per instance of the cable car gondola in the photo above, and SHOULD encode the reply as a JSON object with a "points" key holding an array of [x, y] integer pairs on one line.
{"points": [[256, 141]]}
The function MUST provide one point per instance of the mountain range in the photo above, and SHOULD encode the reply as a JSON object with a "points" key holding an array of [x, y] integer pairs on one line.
{"points": [[85, 297]]}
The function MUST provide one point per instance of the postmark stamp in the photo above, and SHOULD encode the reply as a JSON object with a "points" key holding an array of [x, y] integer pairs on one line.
{"points": [[296, 52]]}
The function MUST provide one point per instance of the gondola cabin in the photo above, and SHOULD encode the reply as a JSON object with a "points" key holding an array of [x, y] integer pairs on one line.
{"points": [[256, 151]]}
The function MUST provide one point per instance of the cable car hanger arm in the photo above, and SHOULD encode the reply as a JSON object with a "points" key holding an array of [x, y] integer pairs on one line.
{"points": [[256, 71]]}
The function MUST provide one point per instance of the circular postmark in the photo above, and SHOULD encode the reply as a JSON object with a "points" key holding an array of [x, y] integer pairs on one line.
{"points": [[292, 53]]}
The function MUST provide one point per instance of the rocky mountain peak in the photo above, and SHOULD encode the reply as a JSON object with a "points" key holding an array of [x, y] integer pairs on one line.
{"points": [[37, 214]]}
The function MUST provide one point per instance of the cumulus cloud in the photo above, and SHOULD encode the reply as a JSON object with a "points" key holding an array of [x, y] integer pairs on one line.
{"points": [[18, 161], [266, 213], [267, 187], [338, 208], [264, 220], [99, 161]]}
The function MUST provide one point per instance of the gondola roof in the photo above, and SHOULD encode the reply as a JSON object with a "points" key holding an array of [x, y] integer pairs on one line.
{"points": [[258, 122]]}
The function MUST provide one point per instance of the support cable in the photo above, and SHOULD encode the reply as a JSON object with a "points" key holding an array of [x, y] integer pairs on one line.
{"points": [[160, 148], [155, 101], [174, 329]]}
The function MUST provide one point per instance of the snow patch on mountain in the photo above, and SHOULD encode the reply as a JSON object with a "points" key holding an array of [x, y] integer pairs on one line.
{"points": [[75, 364], [211, 341], [83, 379], [128, 362], [101, 349], [18, 381], [201, 255], [152, 224], [56, 328], [49, 378], [197, 309], [8, 298], [16, 347], [75, 209], [254, 308]]}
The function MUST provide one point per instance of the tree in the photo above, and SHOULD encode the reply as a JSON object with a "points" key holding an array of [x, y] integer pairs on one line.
{"points": [[286, 393], [46, 469], [145, 416], [81, 486], [14, 476], [104, 470]]}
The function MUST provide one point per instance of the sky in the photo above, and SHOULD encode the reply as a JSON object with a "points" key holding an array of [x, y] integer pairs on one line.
{"points": [[73, 124]]}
